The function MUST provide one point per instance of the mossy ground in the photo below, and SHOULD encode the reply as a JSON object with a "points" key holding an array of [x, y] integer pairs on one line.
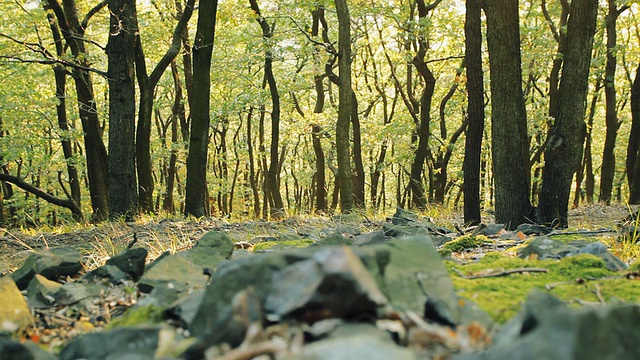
{"points": [[577, 279]]}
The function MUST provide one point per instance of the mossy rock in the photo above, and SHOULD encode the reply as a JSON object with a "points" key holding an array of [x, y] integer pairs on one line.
{"points": [[140, 315], [462, 243], [282, 245]]}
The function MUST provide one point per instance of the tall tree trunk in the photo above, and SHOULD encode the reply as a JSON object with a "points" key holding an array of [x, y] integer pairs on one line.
{"points": [[147, 85], [272, 176], [475, 112], [321, 190], [563, 152], [197, 201], [608, 169], [634, 136], [95, 151], [61, 112], [358, 167], [508, 115], [178, 112], [345, 96], [123, 196]]}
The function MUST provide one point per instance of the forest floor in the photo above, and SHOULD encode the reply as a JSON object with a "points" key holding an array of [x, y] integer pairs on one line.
{"points": [[99, 242]]}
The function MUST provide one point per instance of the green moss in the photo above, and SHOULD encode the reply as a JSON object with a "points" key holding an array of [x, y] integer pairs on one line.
{"points": [[138, 315], [575, 278], [462, 243], [299, 243]]}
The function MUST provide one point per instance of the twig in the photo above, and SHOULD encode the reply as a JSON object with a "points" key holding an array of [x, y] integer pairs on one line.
{"points": [[581, 232], [254, 350], [599, 294], [506, 272]]}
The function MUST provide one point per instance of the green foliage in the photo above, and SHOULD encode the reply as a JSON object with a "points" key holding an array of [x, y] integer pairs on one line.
{"points": [[139, 315], [462, 243]]}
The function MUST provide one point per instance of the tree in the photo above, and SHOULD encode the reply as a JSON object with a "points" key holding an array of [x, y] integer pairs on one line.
{"points": [[96, 153], [611, 112], [272, 177], [633, 156], [147, 84], [564, 148], [345, 96], [196, 200], [508, 115], [123, 196], [475, 112]]}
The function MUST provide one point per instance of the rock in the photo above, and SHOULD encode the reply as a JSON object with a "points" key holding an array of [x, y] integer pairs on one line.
{"points": [[15, 315], [403, 217], [547, 248], [175, 272], [13, 350], [219, 241], [533, 229], [341, 229], [490, 230], [332, 283], [50, 263], [355, 341], [204, 257], [130, 261], [612, 262], [334, 239], [120, 343], [41, 291], [77, 293], [370, 238], [185, 308], [550, 329], [112, 274], [231, 278]]}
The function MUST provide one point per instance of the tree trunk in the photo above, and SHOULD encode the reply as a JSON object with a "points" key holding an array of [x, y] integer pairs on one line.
{"points": [[196, 201], [95, 151], [123, 197], [608, 169], [562, 155], [508, 115], [345, 96], [634, 135], [475, 113], [321, 190], [358, 167], [272, 176]]}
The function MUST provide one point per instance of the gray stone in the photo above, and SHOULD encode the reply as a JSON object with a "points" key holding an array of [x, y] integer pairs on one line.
{"points": [[353, 342], [611, 261], [334, 239], [75, 293], [403, 217], [549, 329], [546, 248], [370, 238], [109, 273], [533, 229], [50, 263], [124, 342], [13, 350], [15, 315], [491, 229], [204, 257], [342, 229], [175, 272], [332, 283], [184, 309], [219, 241], [41, 291], [130, 261]]}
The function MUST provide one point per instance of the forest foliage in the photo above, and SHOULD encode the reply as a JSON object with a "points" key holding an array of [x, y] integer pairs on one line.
{"points": [[399, 50]]}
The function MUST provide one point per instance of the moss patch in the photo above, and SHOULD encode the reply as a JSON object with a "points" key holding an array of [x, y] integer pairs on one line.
{"points": [[462, 243], [287, 244], [137, 316], [575, 278]]}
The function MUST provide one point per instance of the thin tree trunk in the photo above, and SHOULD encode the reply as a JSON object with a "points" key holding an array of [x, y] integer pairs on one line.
{"points": [[634, 135]]}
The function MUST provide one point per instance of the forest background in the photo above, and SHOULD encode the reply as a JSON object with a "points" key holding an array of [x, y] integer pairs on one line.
{"points": [[234, 108]]}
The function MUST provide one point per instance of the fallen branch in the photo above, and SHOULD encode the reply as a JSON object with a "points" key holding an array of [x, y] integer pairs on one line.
{"points": [[254, 350], [504, 273]]}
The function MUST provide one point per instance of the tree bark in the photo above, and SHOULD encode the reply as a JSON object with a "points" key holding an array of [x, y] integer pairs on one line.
{"points": [[634, 141], [608, 168], [563, 152], [123, 197], [321, 190], [95, 151], [475, 112], [508, 115], [196, 201], [345, 96], [272, 176]]}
